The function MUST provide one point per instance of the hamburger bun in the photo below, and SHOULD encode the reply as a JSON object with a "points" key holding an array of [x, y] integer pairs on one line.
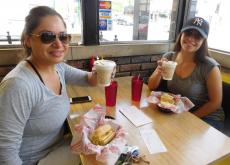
{"points": [[167, 100], [102, 135]]}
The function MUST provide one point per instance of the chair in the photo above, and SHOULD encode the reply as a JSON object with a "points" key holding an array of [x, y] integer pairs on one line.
{"points": [[226, 107]]}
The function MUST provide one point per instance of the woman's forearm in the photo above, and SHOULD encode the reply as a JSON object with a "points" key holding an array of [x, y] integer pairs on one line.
{"points": [[206, 109], [154, 80], [92, 78]]}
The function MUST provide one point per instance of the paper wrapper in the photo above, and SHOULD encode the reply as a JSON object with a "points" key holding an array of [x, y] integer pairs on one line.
{"points": [[181, 103], [107, 154]]}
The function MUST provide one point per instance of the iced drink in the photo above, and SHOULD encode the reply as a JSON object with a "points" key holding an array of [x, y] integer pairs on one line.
{"points": [[136, 88], [111, 94], [168, 69], [104, 69]]}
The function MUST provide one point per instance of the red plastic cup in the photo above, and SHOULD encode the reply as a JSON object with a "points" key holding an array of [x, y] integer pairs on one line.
{"points": [[137, 83], [111, 94]]}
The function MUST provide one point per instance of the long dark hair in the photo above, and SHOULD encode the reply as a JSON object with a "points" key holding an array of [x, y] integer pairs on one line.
{"points": [[33, 20], [200, 54]]}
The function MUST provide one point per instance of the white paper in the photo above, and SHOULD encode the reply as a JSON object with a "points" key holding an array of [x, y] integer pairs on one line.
{"points": [[152, 141], [74, 115], [135, 115]]}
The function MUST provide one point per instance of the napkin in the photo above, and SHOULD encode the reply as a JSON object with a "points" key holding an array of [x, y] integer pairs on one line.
{"points": [[135, 115], [152, 141]]}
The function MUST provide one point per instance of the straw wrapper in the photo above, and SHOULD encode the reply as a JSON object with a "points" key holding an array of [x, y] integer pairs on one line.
{"points": [[181, 103], [107, 154]]}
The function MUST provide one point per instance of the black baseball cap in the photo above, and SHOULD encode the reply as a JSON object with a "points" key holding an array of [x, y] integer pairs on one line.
{"points": [[199, 24]]}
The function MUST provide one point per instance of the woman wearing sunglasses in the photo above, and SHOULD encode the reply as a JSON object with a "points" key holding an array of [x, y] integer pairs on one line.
{"points": [[34, 102], [197, 75]]}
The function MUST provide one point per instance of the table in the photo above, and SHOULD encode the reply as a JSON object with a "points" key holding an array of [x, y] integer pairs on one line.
{"points": [[189, 140]]}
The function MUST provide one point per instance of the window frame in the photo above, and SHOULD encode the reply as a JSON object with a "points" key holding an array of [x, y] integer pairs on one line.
{"points": [[191, 13], [91, 22], [90, 29]]}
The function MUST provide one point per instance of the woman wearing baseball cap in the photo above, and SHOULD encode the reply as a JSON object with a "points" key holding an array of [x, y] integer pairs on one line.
{"points": [[197, 75]]}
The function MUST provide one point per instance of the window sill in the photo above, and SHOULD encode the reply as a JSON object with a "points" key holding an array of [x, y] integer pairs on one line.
{"points": [[222, 57]]}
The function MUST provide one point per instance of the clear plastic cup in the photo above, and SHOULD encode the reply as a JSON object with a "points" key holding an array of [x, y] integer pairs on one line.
{"points": [[168, 68], [104, 69]]}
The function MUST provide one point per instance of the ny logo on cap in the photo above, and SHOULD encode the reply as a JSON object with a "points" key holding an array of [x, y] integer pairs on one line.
{"points": [[198, 21]]}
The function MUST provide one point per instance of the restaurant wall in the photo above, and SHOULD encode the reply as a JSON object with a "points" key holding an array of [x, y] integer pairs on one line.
{"points": [[142, 65], [131, 59]]}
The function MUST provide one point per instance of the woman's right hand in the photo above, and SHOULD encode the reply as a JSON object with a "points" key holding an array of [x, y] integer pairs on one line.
{"points": [[155, 78], [159, 68], [92, 77]]}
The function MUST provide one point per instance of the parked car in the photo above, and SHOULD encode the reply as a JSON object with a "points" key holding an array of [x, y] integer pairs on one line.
{"points": [[124, 20]]}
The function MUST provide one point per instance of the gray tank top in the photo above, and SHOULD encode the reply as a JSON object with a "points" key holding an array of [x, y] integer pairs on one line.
{"points": [[194, 87]]}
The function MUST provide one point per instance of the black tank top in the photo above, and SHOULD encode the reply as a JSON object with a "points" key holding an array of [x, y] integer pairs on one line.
{"points": [[36, 71]]}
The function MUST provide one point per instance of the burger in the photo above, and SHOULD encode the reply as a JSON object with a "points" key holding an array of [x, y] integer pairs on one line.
{"points": [[167, 100], [102, 135]]}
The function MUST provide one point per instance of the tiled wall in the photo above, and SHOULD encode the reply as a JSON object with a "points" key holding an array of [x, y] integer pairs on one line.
{"points": [[131, 59], [126, 65]]}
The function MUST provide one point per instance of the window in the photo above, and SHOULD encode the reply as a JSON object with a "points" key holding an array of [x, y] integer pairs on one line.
{"points": [[13, 13], [216, 12], [132, 20]]}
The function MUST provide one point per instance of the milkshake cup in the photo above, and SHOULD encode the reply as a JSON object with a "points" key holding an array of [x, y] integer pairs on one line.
{"points": [[168, 69], [104, 69]]}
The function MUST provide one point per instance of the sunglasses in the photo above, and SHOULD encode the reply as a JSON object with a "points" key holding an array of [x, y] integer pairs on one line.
{"points": [[49, 37], [194, 34]]}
